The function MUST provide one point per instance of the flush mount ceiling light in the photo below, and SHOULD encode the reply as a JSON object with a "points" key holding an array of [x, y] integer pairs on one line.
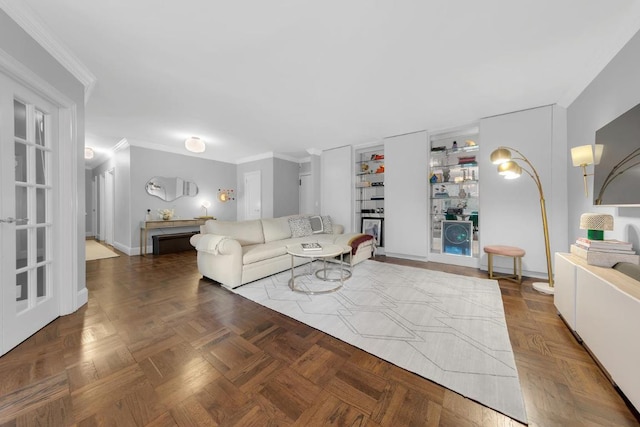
{"points": [[88, 153], [195, 145]]}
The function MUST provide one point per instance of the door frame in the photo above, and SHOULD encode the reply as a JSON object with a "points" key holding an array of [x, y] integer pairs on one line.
{"points": [[68, 269]]}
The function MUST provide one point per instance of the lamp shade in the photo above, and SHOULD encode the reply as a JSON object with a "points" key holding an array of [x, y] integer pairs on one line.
{"points": [[596, 224], [509, 169], [582, 155], [585, 155], [195, 145], [500, 155]]}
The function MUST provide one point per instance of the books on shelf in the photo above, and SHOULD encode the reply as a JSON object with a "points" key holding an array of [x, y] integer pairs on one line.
{"points": [[604, 244], [311, 246], [604, 258]]}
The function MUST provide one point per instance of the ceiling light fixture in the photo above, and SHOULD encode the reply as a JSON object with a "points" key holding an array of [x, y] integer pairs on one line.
{"points": [[195, 145], [88, 153]]}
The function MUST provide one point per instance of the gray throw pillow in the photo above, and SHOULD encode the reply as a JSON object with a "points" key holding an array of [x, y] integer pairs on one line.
{"points": [[327, 225], [316, 224], [300, 227]]}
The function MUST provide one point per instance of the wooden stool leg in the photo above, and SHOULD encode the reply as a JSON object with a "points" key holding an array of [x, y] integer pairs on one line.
{"points": [[490, 264], [520, 269]]}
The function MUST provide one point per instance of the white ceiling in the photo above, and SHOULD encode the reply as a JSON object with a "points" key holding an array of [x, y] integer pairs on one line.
{"points": [[283, 76]]}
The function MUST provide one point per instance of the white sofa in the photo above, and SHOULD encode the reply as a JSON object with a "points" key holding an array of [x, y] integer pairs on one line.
{"points": [[234, 253]]}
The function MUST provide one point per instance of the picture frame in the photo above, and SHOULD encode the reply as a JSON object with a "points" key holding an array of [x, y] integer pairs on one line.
{"points": [[457, 237], [373, 227]]}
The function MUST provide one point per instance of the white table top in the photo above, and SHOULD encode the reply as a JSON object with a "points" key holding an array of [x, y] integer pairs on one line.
{"points": [[328, 250]]}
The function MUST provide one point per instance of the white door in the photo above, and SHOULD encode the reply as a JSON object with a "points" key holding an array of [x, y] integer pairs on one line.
{"points": [[28, 153], [306, 195], [252, 192]]}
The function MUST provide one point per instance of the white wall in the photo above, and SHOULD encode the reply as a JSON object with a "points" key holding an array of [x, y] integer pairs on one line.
{"points": [[286, 190], [405, 194], [614, 91], [337, 185], [510, 212]]}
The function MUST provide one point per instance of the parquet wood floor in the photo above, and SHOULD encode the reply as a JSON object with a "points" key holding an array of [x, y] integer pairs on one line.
{"points": [[158, 345]]}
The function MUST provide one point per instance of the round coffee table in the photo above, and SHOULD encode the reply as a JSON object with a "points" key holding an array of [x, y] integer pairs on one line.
{"points": [[326, 252]]}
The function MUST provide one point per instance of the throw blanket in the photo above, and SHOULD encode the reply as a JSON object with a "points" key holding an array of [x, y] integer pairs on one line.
{"points": [[357, 240]]}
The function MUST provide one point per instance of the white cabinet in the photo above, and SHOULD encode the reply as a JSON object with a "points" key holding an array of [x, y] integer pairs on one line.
{"points": [[605, 306], [565, 285]]}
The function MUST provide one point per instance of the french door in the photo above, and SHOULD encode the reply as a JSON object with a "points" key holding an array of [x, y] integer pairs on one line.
{"points": [[28, 144]]}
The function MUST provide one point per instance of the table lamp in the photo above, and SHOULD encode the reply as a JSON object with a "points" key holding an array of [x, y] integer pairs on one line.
{"points": [[596, 224]]}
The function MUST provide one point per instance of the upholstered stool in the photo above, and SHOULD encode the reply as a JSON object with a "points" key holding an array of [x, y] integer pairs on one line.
{"points": [[508, 251]]}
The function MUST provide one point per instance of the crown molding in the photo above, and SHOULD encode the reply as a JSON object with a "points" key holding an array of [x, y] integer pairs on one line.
{"points": [[121, 145], [314, 151], [28, 20]]}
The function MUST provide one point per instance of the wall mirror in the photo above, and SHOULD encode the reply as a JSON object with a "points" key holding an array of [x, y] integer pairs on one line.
{"points": [[617, 176], [169, 189]]}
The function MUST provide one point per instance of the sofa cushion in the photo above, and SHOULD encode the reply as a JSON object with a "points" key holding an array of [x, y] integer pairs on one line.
{"points": [[245, 232], [300, 226], [260, 252], [276, 229]]}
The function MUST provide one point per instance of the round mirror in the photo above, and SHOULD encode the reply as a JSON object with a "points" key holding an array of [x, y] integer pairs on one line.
{"points": [[169, 189]]}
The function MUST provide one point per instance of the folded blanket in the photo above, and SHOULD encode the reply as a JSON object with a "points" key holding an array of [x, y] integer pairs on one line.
{"points": [[357, 240]]}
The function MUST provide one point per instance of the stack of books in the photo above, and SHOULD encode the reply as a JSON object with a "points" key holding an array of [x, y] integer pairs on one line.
{"points": [[311, 246], [604, 253]]}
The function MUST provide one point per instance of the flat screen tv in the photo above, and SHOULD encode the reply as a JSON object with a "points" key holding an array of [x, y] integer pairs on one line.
{"points": [[617, 177]]}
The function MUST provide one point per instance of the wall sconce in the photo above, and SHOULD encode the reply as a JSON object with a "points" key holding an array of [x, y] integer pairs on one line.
{"points": [[224, 195], [195, 145], [586, 155], [509, 168], [88, 153], [596, 224]]}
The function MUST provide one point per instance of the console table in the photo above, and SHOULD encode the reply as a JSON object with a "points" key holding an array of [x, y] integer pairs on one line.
{"points": [[145, 226]]}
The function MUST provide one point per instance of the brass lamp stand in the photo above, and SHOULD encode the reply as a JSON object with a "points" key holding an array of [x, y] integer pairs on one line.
{"points": [[510, 169]]}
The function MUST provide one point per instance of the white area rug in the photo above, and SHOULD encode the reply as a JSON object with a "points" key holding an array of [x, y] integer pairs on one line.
{"points": [[95, 250], [447, 328]]}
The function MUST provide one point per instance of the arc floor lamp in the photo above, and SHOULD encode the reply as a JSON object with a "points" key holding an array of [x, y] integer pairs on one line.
{"points": [[509, 168]]}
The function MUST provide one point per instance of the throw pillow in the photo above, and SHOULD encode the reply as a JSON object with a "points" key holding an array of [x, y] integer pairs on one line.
{"points": [[300, 227], [316, 224], [327, 225]]}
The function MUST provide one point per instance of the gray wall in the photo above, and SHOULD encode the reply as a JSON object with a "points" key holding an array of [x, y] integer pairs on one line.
{"points": [[134, 166], [209, 176], [614, 91], [286, 190]]}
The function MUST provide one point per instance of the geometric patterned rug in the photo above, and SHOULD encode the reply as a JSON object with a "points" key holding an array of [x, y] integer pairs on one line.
{"points": [[447, 328]]}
